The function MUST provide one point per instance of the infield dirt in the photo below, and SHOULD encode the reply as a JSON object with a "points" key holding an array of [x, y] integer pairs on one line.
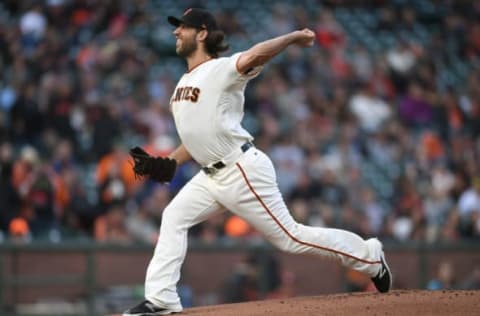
{"points": [[399, 302]]}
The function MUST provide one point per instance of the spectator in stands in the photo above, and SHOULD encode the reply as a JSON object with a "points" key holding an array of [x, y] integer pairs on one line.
{"points": [[306, 188], [80, 210], [373, 212], [141, 226], [332, 192], [387, 19], [450, 230], [19, 231], [112, 188], [157, 200], [249, 282], [473, 38], [444, 278], [408, 213], [438, 206], [115, 178], [32, 25], [9, 198], [370, 110], [243, 284], [40, 205], [228, 21], [472, 281], [300, 210], [37, 192], [401, 60], [362, 63], [329, 32], [63, 156], [414, 108], [349, 218], [106, 129], [110, 227], [213, 229], [469, 208], [289, 159]]}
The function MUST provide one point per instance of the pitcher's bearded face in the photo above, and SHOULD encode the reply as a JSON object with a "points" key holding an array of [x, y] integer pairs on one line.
{"points": [[186, 41], [186, 48]]}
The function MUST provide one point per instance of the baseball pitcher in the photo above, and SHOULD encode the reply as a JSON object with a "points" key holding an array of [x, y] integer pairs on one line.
{"points": [[207, 106]]}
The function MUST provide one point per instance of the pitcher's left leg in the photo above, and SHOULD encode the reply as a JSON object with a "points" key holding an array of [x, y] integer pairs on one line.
{"points": [[190, 206]]}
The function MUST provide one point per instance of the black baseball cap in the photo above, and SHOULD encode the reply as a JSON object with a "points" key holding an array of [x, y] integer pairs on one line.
{"points": [[197, 18]]}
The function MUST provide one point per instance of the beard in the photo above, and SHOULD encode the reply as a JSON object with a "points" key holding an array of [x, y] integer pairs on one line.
{"points": [[187, 48]]}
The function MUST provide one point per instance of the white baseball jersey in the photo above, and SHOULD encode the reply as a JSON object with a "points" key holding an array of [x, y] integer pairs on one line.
{"points": [[207, 106]]}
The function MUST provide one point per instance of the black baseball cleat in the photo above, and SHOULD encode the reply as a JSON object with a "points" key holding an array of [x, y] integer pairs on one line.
{"points": [[383, 280], [147, 308]]}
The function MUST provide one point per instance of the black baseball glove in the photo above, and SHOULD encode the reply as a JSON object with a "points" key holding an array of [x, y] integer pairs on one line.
{"points": [[156, 168]]}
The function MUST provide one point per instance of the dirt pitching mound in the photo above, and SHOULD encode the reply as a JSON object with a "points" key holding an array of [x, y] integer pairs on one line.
{"points": [[403, 303]]}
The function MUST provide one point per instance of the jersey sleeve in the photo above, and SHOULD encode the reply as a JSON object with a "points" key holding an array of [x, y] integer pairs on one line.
{"points": [[231, 73]]}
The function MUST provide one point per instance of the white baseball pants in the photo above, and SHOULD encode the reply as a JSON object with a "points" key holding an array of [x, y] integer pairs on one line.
{"points": [[248, 188]]}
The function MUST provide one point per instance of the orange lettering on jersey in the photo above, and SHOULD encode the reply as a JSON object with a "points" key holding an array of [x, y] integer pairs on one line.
{"points": [[178, 94], [195, 94], [186, 94]]}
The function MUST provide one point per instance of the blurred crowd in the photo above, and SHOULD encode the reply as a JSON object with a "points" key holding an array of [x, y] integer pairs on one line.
{"points": [[380, 140]]}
